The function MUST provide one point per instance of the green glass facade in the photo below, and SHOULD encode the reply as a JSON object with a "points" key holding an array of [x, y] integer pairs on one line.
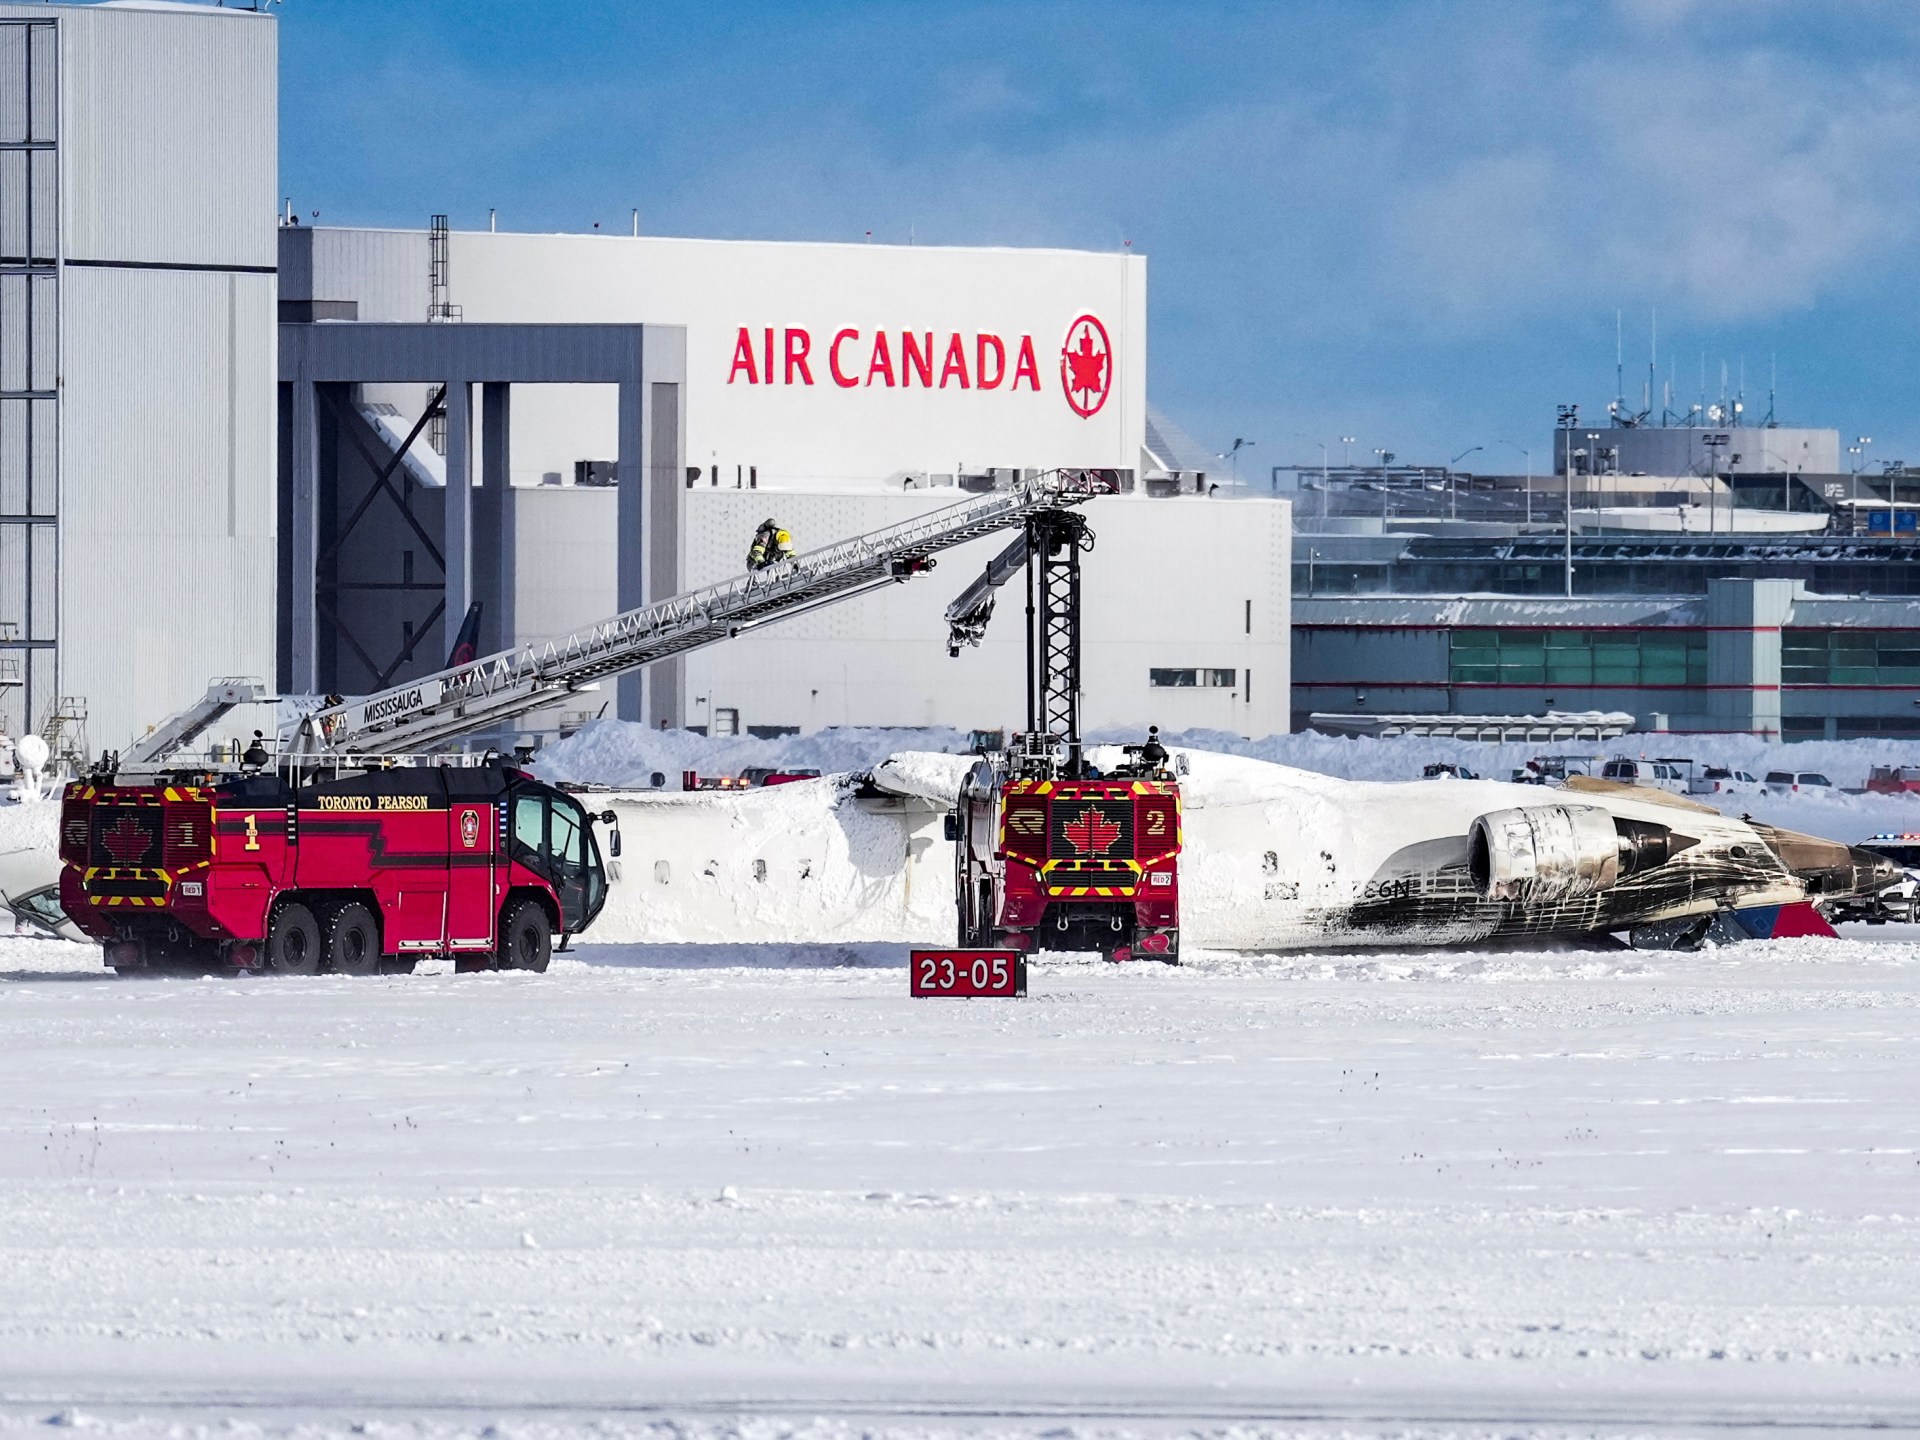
{"points": [[1850, 657], [1624, 658]]}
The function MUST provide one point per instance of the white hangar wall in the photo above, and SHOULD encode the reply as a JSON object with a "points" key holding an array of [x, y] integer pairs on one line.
{"points": [[138, 180], [1184, 584], [809, 365]]}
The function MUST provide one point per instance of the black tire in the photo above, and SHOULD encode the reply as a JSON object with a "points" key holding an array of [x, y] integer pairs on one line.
{"points": [[526, 937], [352, 943], [293, 941]]}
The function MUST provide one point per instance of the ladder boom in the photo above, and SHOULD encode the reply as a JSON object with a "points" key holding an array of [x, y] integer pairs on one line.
{"points": [[436, 708]]}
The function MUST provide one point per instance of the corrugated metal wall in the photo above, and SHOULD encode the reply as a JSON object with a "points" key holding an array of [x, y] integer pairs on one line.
{"points": [[172, 133], [136, 276], [29, 362], [384, 270], [167, 524]]}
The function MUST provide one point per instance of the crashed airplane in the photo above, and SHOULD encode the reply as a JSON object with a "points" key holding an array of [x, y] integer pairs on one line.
{"points": [[1280, 859]]}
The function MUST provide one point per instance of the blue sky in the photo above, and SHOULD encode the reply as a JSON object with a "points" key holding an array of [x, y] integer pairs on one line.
{"points": [[1407, 222]]}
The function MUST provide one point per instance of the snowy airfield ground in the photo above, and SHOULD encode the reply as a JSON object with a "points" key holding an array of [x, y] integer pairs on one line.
{"points": [[1585, 1190], [755, 1190]]}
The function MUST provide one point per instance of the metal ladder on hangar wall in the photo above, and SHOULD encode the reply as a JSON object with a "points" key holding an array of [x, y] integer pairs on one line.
{"points": [[414, 717]]}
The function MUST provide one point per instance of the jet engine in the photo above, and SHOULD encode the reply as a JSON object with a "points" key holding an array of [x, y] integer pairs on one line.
{"points": [[1547, 853]]}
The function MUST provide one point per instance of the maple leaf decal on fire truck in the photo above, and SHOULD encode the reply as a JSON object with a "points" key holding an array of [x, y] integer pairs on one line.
{"points": [[127, 840], [1086, 366], [1091, 833]]}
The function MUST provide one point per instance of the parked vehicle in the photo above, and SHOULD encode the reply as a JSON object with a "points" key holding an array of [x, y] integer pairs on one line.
{"points": [[1555, 769], [1899, 901], [1445, 770], [1653, 774], [1793, 782], [30, 892], [757, 775], [1719, 780], [1894, 780]]}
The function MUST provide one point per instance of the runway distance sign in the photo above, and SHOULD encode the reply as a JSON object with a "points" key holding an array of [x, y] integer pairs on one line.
{"points": [[968, 974]]}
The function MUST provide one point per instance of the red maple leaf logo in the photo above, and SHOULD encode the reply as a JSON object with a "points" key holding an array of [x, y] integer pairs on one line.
{"points": [[1091, 832], [127, 840], [1086, 365]]}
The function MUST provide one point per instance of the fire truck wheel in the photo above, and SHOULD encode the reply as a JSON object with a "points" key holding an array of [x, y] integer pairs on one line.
{"points": [[293, 941], [526, 939], [353, 940]]}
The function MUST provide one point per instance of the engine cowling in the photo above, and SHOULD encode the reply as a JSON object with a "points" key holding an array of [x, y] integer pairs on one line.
{"points": [[1544, 853]]}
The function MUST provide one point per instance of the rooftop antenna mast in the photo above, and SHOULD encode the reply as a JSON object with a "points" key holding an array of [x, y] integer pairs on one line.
{"points": [[1619, 371], [1773, 381], [1653, 363]]}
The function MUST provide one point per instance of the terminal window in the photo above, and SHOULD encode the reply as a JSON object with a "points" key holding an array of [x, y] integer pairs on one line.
{"points": [[1850, 657], [1204, 679], [1577, 657]]}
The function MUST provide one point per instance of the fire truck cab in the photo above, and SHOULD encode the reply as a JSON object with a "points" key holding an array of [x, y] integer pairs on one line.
{"points": [[355, 872], [1070, 864]]}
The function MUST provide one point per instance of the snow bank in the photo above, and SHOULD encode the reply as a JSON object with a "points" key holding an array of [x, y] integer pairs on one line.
{"points": [[624, 754], [928, 776]]}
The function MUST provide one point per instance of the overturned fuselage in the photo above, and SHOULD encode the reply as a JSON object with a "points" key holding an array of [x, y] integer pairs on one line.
{"points": [[1283, 859]]}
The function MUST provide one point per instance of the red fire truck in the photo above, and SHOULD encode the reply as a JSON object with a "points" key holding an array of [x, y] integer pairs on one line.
{"points": [[354, 872], [1050, 853], [1060, 864]]}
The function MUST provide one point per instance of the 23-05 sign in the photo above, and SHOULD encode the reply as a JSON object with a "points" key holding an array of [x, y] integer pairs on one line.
{"points": [[965, 974]]}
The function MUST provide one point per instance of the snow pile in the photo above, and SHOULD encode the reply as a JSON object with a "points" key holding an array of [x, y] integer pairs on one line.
{"points": [[932, 777], [619, 752], [626, 755], [622, 754]]}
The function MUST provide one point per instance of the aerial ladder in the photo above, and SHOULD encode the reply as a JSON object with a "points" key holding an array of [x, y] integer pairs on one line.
{"points": [[416, 717], [1050, 853]]}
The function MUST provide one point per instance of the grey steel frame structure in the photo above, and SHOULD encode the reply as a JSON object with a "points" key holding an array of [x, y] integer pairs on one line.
{"points": [[647, 364]]}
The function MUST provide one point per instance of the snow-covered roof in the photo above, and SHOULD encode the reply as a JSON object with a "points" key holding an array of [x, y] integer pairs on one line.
{"points": [[1492, 610]]}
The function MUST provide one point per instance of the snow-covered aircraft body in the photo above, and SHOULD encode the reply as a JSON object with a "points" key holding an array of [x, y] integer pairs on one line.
{"points": [[1285, 859]]}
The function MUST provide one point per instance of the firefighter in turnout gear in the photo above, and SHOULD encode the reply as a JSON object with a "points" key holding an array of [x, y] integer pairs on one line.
{"points": [[770, 546]]}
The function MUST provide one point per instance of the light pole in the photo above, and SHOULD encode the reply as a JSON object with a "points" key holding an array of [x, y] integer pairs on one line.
{"points": [[1713, 444], [1594, 488], [1323, 484], [1893, 490], [1386, 459], [1569, 416], [1347, 460], [1233, 456], [1529, 457], [1453, 485]]}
